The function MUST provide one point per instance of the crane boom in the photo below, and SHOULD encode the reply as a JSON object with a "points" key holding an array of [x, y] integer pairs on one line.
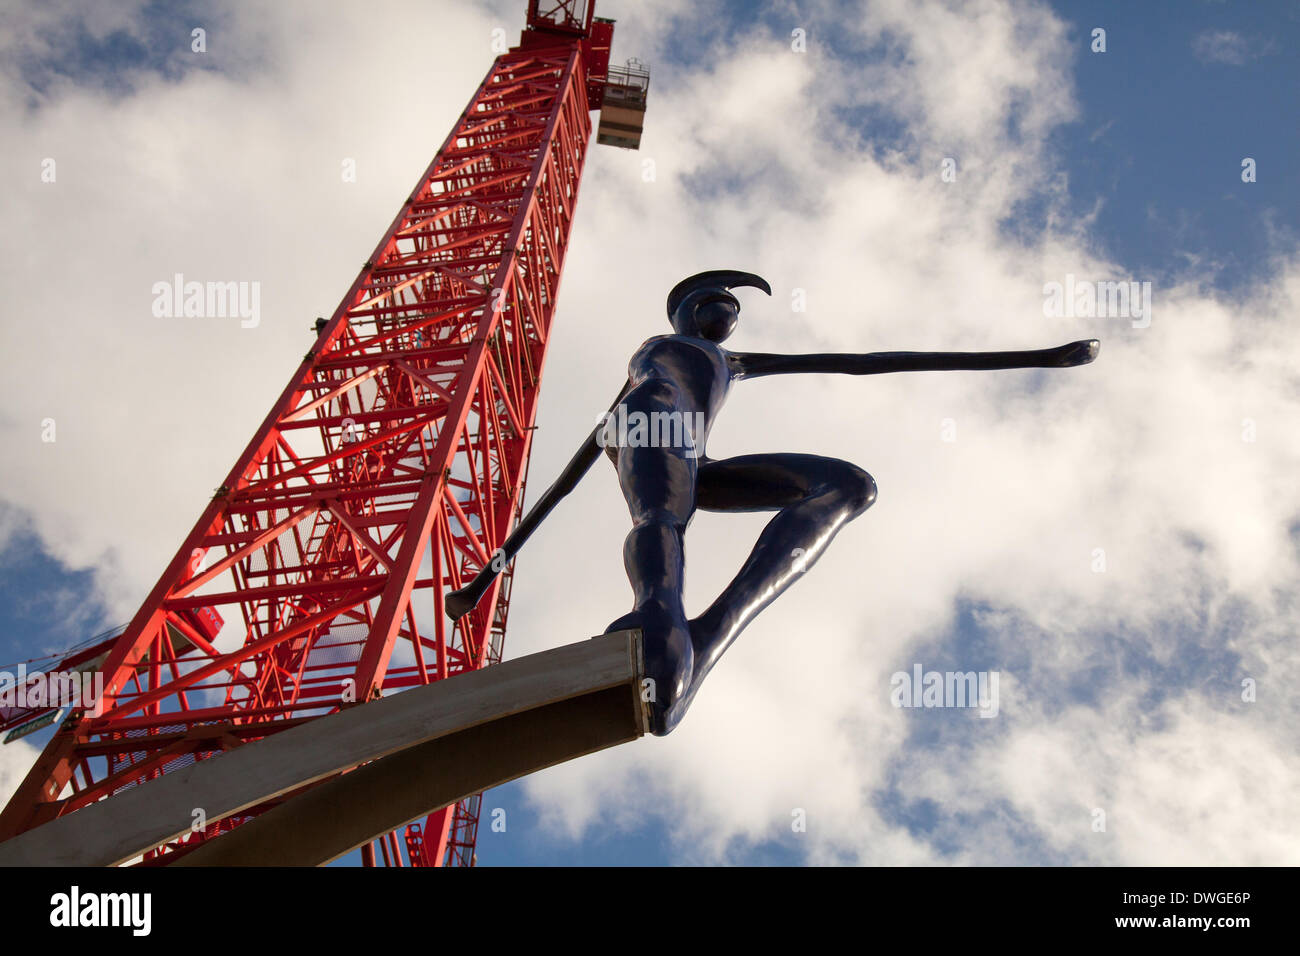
{"points": [[387, 472]]}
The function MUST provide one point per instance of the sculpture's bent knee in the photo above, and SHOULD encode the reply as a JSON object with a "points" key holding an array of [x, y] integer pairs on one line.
{"points": [[856, 486]]}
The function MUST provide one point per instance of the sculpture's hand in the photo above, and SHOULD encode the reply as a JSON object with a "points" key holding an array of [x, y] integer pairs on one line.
{"points": [[1078, 353]]}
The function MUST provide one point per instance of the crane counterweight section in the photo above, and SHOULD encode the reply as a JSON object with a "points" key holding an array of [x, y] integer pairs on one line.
{"points": [[622, 113]]}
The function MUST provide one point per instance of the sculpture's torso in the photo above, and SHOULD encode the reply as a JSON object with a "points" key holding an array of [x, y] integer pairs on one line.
{"points": [[681, 373]]}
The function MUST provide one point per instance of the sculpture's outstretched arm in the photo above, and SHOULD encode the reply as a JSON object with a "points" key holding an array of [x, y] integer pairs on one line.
{"points": [[458, 603], [755, 364]]}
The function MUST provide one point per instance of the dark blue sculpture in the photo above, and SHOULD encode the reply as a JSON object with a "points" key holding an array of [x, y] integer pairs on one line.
{"points": [[656, 434]]}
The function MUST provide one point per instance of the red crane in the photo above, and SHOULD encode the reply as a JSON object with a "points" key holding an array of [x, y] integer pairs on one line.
{"points": [[387, 473]]}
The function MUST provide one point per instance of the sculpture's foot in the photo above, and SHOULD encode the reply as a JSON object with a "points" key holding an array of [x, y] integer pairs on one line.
{"points": [[666, 648]]}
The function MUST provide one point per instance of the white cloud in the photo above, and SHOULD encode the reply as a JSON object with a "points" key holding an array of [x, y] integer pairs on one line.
{"points": [[1227, 46], [1140, 454], [15, 760]]}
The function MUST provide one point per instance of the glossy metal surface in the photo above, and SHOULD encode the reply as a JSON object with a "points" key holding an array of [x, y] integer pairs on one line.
{"points": [[676, 385], [688, 375]]}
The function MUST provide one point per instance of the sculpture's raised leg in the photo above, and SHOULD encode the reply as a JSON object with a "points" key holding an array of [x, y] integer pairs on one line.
{"points": [[815, 496]]}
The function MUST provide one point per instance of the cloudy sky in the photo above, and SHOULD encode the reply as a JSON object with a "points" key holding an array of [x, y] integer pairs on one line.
{"points": [[1119, 542]]}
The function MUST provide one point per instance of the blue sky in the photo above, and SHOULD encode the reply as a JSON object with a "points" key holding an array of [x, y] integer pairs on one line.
{"points": [[1172, 128], [1142, 173]]}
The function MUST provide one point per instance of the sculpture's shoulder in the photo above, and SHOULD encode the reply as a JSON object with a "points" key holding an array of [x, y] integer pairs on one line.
{"points": [[680, 357], [657, 339], [673, 342]]}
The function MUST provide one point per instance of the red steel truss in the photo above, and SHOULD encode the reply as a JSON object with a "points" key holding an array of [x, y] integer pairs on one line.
{"points": [[388, 472]]}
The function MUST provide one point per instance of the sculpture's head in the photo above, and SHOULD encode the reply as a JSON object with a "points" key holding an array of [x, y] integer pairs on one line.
{"points": [[702, 307]]}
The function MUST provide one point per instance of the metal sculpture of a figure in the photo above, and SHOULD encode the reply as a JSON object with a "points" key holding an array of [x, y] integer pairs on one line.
{"points": [[676, 386]]}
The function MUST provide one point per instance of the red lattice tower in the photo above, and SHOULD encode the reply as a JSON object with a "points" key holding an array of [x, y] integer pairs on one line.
{"points": [[389, 470]]}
